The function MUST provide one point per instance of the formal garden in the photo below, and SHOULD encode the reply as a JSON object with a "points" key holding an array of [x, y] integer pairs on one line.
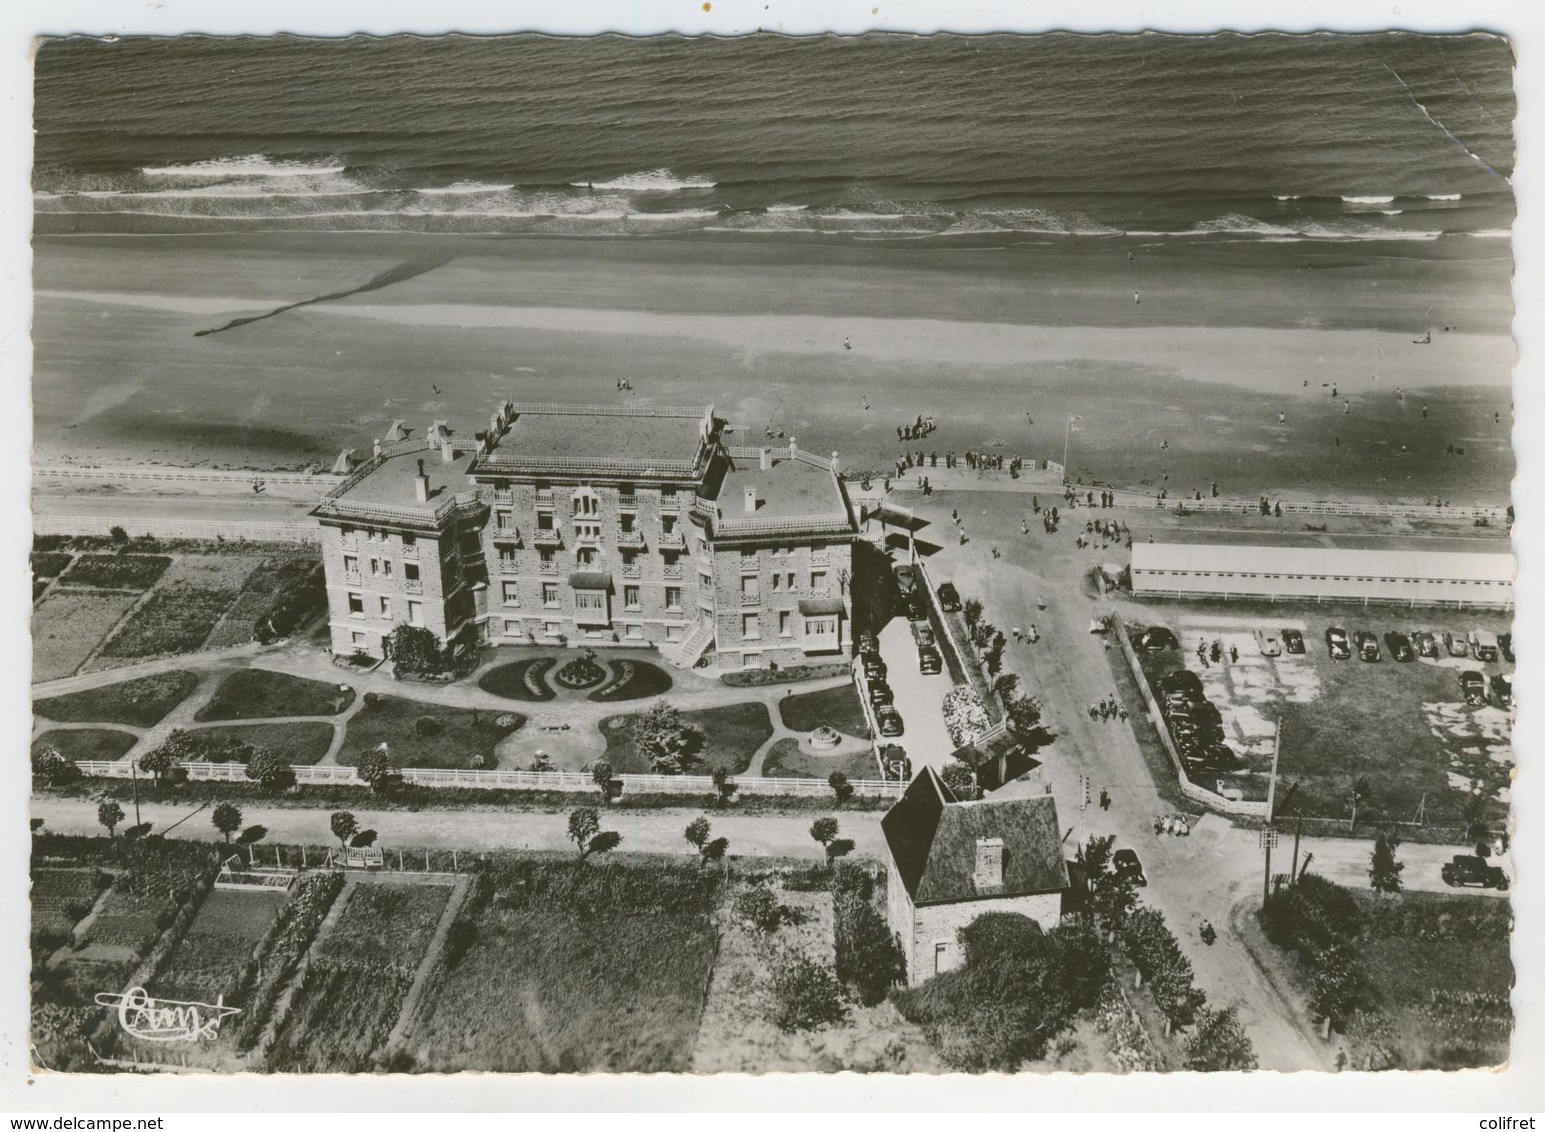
{"points": [[414, 733], [602, 679], [665, 740]]}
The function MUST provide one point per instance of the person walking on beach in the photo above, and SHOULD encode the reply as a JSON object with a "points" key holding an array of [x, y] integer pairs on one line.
{"points": [[1018, 634], [1282, 418], [1136, 299]]}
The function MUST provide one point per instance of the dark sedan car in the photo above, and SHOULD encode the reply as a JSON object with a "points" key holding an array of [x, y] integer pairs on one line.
{"points": [[1338, 643], [1293, 641], [1367, 645], [1399, 646], [874, 668], [1505, 643], [1502, 689], [1425, 644], [1157, 639], [1126, 866], [867, 645], [880, 693], [889, 720], [1184, 681], [949, 598], [1472, 685]]}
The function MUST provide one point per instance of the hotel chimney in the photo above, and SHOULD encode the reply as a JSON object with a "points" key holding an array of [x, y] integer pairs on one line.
{"points": [[421, 484], [793, 447], [377, 451], [836, 467], [766, 460], [447, 452], [750, 499]]}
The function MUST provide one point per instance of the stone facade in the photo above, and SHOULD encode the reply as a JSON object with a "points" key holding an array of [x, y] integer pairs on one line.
{"points": [[759, 590]]}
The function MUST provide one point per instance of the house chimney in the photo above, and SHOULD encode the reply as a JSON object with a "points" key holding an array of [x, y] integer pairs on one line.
{"points": [[421, 485], [765, 461], [989, 863], [447, 452], [750, 499]]}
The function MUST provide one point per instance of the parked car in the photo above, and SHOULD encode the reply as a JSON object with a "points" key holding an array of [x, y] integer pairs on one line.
{"points": [[1184, 681], [867, 645], [1425, 643], [911, 592], [1293, 641], [1125, 864], [1156, 639], [929, 662], [1457, 644], [1471, 871], [1269, 642], [880, 693], [1502, 689], [1337, 643], [1505, 643], [874, 668], [1175, 702], [923, 635], [1399, 646], [1220, 756], [893, 758], [1367, 645], [1483, 645], [889, 720], [949, 598], [1473, 686]]}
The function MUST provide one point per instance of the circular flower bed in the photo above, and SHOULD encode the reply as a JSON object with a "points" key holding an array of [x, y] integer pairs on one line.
{"points": [[824, 738], [581, 672]]}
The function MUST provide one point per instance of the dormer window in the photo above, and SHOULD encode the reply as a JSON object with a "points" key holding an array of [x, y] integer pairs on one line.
{"points": [[586, 502]]}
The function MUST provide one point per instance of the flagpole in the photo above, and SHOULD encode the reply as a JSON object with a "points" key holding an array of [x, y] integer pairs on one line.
{"points": [[1066, 436]]}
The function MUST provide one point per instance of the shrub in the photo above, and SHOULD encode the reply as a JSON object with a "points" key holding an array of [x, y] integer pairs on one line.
{"points": [[758, 908], [428, 725], [663, 738], [961, 780], [415, 649], [840, 785], [805, 994], [1156, 954], [51, 768], [965, 717], [1311, 916], [868, 958], [1219, 1043], [270, 771]]}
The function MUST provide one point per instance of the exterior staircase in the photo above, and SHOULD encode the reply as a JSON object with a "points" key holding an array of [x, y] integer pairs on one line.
{"points": [[686, 652]]}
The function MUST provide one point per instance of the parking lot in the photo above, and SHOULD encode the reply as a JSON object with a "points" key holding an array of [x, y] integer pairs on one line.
{"points": [[1401, 727], [919, 698]]}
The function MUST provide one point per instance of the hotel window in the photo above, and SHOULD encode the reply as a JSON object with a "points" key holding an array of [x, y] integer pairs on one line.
{"points": [[510, 593], [548, 557], [777, 580], [410, 571], [675, 632], [507, 554], [586, 502], [673, 598], [820, 626], [549, 593], [590, 599], [748, 555], [585, 555], [409, 540], [544, 520], [356, 605], [552, 628], [818, 580], [750, 586], [785, 623], [625, 493], [788, 581], [504, 520], [375, 567], [633, 632], [346, 531], [630, 597], [512, 628], [628, 522], [386, 607], [667, 493], [415, 613], [667, 524], [386, 567], [359, 639], [629, 557], [750, 628], [351, 563]]}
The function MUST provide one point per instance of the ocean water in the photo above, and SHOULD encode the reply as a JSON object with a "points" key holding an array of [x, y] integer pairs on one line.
{"points": [[1148, 138]]}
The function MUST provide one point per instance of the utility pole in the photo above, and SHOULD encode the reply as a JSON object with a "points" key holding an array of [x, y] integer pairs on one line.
{"points": [[1268, 841], [134, 778]]}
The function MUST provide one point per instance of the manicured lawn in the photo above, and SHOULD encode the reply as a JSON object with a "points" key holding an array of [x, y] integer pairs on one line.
{"points": [[632, 680], [731, 735], [786, 760], [360, 973], [67, 626], [255, 693], [87, 743], [301, 744], [835, 707], [447, 741], [142, 702], [520, 680], [596, 968], [137, 572]]}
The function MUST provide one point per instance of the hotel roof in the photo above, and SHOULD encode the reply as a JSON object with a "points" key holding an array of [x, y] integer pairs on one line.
{"points": [[602, 440], [381, 490], [797, 492], [1293, 561]]}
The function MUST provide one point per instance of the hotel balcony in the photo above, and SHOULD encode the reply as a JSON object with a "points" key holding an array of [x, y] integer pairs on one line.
{"points": [[547, 538], [672, 570], [410, 551], [822, 559], [631, 540], [415, 586], [631, 570], [752, 565], [547, 567], [750, 599], [510, 535], [509, 566], [673, 540], [351, 578], [670, 503], [545, 496]]}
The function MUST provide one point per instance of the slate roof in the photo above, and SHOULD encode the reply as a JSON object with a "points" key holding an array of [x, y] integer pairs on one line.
{"points": [[932, 839]]}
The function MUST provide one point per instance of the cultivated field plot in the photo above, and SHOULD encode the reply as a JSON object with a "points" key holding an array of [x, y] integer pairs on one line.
{"points": [[68, 626], [1401, 726], [358, 980], [61, 898], [571, 968], [255, 693], [276, 596], [133, 572], [210, 961], [425, 735], [183, 609], [142, 702], [90, 744]]}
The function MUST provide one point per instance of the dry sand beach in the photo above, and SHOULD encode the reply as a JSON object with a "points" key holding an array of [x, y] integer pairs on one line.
{"points": [[137, 357]]}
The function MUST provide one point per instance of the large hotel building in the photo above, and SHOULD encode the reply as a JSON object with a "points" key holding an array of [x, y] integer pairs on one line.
{"points": [[587, 524]]}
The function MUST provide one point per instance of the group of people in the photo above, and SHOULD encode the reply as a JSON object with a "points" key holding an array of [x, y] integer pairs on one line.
{"points": [[1269, 508], [1177, 825], [624, 383], [1214, 653], [1107, 709], [1032, 635], [918, 429], [1108, 531]]}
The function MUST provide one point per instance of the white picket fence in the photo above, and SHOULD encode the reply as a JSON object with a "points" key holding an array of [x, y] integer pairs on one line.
{"points": [[134, 526], [566, 781], [322, 482]]}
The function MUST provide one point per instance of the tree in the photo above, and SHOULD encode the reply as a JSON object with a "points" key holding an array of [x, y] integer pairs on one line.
{"points": [[1112, 897], [603, 775], [177, 747], [825, 831], [1024, 713], [375, 768], [109, 813], [868, 958], [1219, 1043], [973, 611], [840, 785], [1006, 685], [415, 648], [586, 833], [961, 780], [118, 534], [51, 767], [697, 832], [664, 738], [344, 825], [758, 908], [722, 783], [227, 819], [1337, 983], [805, 994], [269, 770], [714, 850], [1385, 873]]}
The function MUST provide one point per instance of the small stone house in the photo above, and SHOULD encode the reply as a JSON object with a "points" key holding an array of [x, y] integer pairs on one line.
{"points": [[950, 861]]}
